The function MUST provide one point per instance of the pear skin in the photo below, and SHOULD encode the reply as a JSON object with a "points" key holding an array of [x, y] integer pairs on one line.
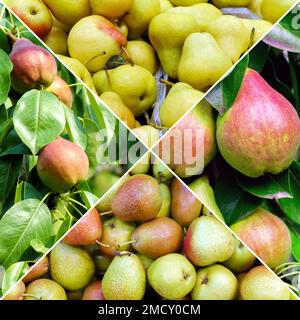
{"points": [[37, 271], [16, 292], [273, 10], [186, 2], [62, 90], [165, 5], [165, 209], [261, 28], [57, 41], [45, 289], [111, 9], [161, 172], [93, 292], [231, 3]]}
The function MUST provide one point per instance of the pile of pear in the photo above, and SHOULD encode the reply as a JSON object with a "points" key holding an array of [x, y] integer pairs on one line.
{"points": [[150, 238], [191, 40]]}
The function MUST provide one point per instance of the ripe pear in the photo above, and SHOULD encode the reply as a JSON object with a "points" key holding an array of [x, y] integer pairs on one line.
{"points": [[165, 5], [116, 104], [208, 241], [168, 38], [71, 267], [186, 2], [255, 6], [261, 27], [111, 9], [62, 90], [34, 13], [45, 289], [62, 164], [254, 139], [267, 235], [180, 99], [260, 284], [101, 262], [143, 166], [158, 237], [125, 279], [273, 10], [146, 261], [140, 15], [203, 67], [93, 40], [102, 182], [172, 276], [37, 271], [16, 292], [185, 206], [215, 283], [116, 236], [142, 54], [69, 12], [231, 34], [33, 66], [161, 172], [60, 25], [93, 292], [166, 204], [230, 3], [138, 199], [57, 41]]}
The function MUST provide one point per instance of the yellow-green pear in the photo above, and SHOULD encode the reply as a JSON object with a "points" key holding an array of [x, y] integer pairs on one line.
{"points": [[102, 181], [203, 62], [115, 103], [181, 98], [255, 6], [146, 261], [142, 54], [100, 82], [168, 38], [166, 204], [140, 15], [111, 9], [273, 10], [122, 27], [60, 25], [67, 11], [186, 3], [230, 3], [93, 40], [260, 27], [165, 5], [57, 41], [161, 171], [143, 166], [231, 34]]}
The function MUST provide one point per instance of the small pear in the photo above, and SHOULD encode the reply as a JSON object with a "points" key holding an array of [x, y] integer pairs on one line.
{"points": [[161, 172], [101, 262], [273, 10], [45, 289], [165, 5], [111, 9], [62, 90], [260, 27], [146, 261], [93, 292], [37, 271], [57, 41], [102, 182], [165, 209], [16, 292], [143, 166]]}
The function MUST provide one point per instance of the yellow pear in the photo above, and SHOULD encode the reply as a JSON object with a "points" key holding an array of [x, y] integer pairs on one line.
{"points": [[111, 9], [122, 27], [260, 27], [140, 15], [186, 3], [142, 54], [255, 6], [180, 99], [165, 5], [101, 82], [168, 38], [60, 25], [203, 62], [273, 10], [67, 11], [230, 3], [57, 41], [231, 34], [115, 103]]}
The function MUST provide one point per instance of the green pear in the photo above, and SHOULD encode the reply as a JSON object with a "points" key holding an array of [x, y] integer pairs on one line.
{"points": [[111, 9], [172, 276], [203, 62], [273, 10], [140, 15], [125, 279], [180, 99], [143, 166], [260, 27], [71, 267], [146, 261], [69, 12], [168, 38], [60, 25], [255, 6], [161, 172], [102, 263], [231, 34], [166, 204], [230, 3], [57, 41], [165, 5], [102, 182], [45, 289], [16, 292], [215, 283], [208, 241]]}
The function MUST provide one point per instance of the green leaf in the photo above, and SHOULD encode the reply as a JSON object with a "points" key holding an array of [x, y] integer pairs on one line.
{"points": [[38, 246], [39, 119], [25, 191], [14, 145], [27, 220], [5, 127], [258, 56], [65, 227], [5, 70], [295, 233], [89, 199], [115, 61]]}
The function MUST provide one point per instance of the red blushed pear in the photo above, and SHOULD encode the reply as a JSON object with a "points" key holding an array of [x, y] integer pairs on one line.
{"points": [[93, 292], [266, 235], [37, 271], [62, 90], [261, 131], [62, 164], [33, 66]]}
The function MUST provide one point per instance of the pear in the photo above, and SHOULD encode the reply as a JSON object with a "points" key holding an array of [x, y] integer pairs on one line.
{"points": [[140, 15], [69, 12], [168, 38], [273, 10], [165, 5], [157, 238], [166, 204], [125, 279], [146, 261], [102, 182], [62, 164], [116, 236], [172, 276], [87, 231], [254, 139], [116, 104], [260, 27], [62, 90], [208, 241], [267, 235], [261, 284], [143, 166], [93, 40], [122, 27], [71, 267], [203, 62], [45, 289], [16, 292], [255, 6], [215, 283], [230, 3], [60, 25], [161, 172], [57, 41], [93, 291], [37, 271], [138, 199], [231, 34], [75, 295], [180, 99], [111, 9], [142, 54], [101, 262], [186, 2]]}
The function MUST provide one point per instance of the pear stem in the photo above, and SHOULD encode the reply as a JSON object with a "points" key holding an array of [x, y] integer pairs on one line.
{"points": [[289, 274], [68, 212], [103, 244], [123, 49], [78, 203], [148, 121], [12, 37], [167, 82], [125, 243], [105, 213], [31, 296]]}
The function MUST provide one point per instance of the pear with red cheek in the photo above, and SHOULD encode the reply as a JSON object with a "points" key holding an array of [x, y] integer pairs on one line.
{"points": [[37, 271], [93, 291], [260, 133], [62, 90], [33, 66]]}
